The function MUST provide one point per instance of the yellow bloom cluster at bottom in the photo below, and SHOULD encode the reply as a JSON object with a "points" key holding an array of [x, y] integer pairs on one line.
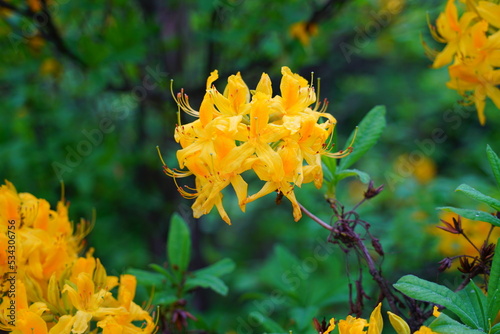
{"points": [[352, 325], [46, 288]]}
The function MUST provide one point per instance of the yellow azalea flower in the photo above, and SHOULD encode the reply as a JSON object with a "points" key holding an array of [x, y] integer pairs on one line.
{"points": [[64, 325], [473, 44], [56, 291], [86, 300], [490, 12], [280, 138], [46, 241], [331, 326], [450, 30], [122, 322], [27, 319], [435, 311], [464, 78], [352, 325], [29, 323], [402, 327], [398, 324], [376, 322]]}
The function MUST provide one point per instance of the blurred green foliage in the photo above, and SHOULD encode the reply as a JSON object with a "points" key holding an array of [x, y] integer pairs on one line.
{"points": [[86, 99]]}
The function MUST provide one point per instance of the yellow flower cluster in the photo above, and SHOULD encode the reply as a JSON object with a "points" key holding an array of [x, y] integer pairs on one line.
{"points": [[280, 138], [352, 325], [46, 288], [473, 45]]}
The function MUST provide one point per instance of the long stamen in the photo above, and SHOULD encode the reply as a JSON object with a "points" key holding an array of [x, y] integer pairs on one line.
{"points": [[316, 106], [182, 101], [343, 153], [172, 172], [184, 193]]}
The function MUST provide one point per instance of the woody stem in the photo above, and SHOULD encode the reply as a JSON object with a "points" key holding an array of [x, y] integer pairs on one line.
{"points": [[316, 219]]}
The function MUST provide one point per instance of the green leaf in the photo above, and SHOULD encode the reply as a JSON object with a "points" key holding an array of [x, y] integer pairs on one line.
{"points": [[473, 214], [147, 278], [164, 298], [363, 177], [420, 289], [178, 244], [479, 196], [369, 131], [270, 325], [445, 324], [494, 163], [303, 316], [475, 297], [222, 267], [493, 299], [329, 167], [206, 281], [162, 270]]}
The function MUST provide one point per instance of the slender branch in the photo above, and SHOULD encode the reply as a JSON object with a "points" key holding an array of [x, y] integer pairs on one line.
{"points": [[9, 6], [48, 30], [357, 205], [374, 272], [489, 234], [464, 282], [54, 35], [377, 276], [473, 245], [316, 219]]}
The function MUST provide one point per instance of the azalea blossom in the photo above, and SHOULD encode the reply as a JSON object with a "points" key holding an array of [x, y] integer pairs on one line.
{"points": [[375, 325], [472, 47], [57, 291], [281, 138]]}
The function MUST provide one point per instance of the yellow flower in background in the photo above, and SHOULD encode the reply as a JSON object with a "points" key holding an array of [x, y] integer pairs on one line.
{"points": [[423, 169], [394, 7], [51, 67], [455, 244], [36, 44], [473, 47], [35, 5], [56, 291], [303, 31], [281, 138], [450, 29]]}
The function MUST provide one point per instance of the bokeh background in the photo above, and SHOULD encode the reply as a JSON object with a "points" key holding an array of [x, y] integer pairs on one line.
{"points": [[86, 99]]}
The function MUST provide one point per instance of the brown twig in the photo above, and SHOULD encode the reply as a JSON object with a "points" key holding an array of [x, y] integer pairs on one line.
{"points": [[48, 30], [314, 218]]}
